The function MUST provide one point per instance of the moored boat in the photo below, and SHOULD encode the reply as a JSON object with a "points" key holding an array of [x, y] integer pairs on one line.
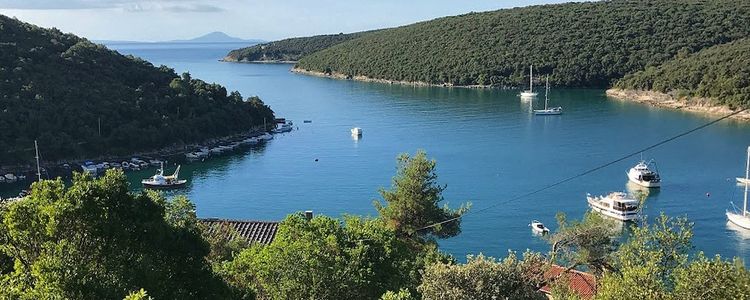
{"points": [[530, 92], [161, 181], [548, 111], [617, 205], [641, 174], [538, 227], [742, 218], [356, 131]]}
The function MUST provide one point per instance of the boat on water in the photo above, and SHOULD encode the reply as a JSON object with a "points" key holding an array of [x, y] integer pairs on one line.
{"points": [[90, 168], [356, 131], [530, 92], [161, 181], [10, 178], [538, 228], [617, 205], [641, 174], [548, 111], [287, 127], [742, 218], [265, 137]]}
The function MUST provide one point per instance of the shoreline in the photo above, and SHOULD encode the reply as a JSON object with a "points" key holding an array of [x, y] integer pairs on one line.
{"points": [[386, 81], [54, 168], [665, 100], [283, 62]]}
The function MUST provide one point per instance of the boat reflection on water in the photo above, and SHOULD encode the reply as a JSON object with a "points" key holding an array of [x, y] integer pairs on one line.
{"points": [[741, 233], [639, 191]]}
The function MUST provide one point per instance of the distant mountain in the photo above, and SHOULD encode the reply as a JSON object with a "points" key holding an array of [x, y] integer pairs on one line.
{"points": [[217, 37], [213, 37]]}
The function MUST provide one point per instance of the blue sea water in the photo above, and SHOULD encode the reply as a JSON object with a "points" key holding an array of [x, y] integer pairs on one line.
{"points": [[488, 146]]}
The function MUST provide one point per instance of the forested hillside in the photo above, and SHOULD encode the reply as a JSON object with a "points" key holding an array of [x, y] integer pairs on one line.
{"points": [[58, 88], [578, 44], [289, 49], [720, 73]]}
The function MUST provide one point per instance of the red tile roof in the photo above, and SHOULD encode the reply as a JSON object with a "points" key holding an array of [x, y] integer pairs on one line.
{"points": [[254, 231], [581, 282]]}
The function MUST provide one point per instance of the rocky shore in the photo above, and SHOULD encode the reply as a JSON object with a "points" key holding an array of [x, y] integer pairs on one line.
{"points": [[368, 79], [665, 100]]}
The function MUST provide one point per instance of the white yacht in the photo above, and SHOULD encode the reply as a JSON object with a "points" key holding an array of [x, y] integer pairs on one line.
{"points": [[160, 181], [547, 111], [356, 131], [530, 92], [538, 227], [742, 218], [642, 175], [617, 205]]}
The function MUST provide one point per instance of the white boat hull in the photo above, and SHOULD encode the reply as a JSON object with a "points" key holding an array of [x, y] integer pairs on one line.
{"points": [[547, 112], [643, 183], [618, 215], [739, 220], [741, 180], [529, 94]]}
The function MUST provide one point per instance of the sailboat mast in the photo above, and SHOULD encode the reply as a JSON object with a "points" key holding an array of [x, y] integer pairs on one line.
{"points": [[744, 206], [531, 78], [546, 93], [38, 168]]}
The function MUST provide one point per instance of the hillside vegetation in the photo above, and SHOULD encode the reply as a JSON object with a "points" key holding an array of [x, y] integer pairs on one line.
{"points": [[290, 49], [579, 44], [720, 73], [58, 88]]}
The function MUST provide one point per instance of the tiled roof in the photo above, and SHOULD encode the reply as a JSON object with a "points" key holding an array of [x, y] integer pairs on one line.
{"points": [[581, 282], [254, 231]]}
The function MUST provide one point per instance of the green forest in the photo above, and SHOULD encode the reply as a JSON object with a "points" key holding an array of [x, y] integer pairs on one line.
{"points": [[590, 44], [291, 49], [93, 239], [720, 73], [80, 99]]}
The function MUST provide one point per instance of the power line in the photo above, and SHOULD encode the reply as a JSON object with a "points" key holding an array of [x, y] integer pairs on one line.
{"points": [[589, 171]]}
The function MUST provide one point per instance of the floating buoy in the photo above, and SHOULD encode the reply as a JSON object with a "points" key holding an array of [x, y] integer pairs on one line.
{"points": [[708, 195]]}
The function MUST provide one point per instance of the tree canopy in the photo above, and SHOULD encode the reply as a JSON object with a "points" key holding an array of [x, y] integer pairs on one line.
{"points": [[291, 49], [589, 44], [81, 99], [720, 73], [95, 240]]}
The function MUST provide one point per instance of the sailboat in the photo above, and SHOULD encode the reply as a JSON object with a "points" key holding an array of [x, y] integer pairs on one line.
{"points": [[547, 111], [742, 219], [530, 92]]}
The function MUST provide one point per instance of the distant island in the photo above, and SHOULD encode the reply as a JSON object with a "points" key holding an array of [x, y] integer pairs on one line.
{"points": [[589, 44], [82, 100], [212, 37]]}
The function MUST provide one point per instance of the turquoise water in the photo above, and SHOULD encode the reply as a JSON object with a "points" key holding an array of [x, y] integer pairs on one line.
{"points": [[488, 146]]}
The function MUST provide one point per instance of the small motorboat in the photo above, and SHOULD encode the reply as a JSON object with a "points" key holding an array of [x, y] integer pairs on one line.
{"points": [[265, 137], [155, 162], [307, 121], [356, 131], [644, 176], [538, 227], [161, 181], [283, 128], [617, 205], [90, 168], [192, 156]]}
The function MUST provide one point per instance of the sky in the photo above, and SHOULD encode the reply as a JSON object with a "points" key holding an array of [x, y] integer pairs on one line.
{"points": [[160, 20]]}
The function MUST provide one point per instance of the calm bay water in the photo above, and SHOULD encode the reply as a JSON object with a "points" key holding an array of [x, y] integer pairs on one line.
{"points": [[488, 146]]}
